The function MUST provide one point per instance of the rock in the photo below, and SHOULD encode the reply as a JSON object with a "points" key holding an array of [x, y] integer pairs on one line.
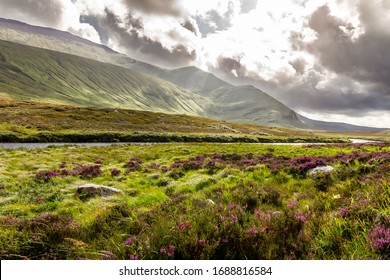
{"points": [[93, 190], [209, 201], [321, 169]]}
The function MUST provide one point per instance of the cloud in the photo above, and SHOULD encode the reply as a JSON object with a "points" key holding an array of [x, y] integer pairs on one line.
{"points": [[97, 25], [358, 66], [232, 66], [152, 7], [191, 25], [218, 18], [248, 5], [129, 35], [45, 12], [299, 65], [318, 56]]}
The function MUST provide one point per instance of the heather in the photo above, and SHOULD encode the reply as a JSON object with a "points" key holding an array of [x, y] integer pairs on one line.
{"points": [[197, 201]]}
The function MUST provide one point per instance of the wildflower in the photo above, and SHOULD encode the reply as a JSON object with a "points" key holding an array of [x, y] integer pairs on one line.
{"points": [[133, 257], [184, 226], [130, 241], [234, 219], [171, 248], [343, 211], [115, 172], [379, 238], [108, 256], [292, 204], [252, 231], [163, 251], [202, 242], [264, 229], [299, 216]]}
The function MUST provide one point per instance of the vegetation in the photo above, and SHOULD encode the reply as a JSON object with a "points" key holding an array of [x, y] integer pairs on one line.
{"points": [[22, 121], [196, 201], [35, 74]]}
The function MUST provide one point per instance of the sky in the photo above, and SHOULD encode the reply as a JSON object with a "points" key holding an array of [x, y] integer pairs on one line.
{"points": [[326, 59]]}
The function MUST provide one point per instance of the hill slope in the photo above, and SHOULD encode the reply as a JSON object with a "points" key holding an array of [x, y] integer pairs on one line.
{"points": [[336, 126], [29, 73], [233, 103], [56, 40], [244, 104]]}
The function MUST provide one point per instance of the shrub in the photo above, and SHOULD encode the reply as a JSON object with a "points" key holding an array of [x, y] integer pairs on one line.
{"points": [[115, 172], [379, 240], [133, 164]]}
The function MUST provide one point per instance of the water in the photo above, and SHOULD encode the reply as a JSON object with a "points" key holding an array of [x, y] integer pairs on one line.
{"points": [[363, 141], [45, 145]]}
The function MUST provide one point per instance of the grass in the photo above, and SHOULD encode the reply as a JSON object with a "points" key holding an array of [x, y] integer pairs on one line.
{"points": [[197, 201], [35, 74], [22, 121]]}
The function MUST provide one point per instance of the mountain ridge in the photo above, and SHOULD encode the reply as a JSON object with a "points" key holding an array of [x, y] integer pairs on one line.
{"points": [[226, 101], [30, 73], [186, 78]]}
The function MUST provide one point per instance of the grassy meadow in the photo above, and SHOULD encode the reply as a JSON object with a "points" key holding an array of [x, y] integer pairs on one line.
{"points": [[196, 201]]}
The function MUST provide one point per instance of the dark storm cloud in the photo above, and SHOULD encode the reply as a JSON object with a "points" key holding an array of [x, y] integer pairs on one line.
{"points": [[153, 7], [365, 59], [128, 35], [348, 103], [362, 65], [47, 12], [94, 21]]}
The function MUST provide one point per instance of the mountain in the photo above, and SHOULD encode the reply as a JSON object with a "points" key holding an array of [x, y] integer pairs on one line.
{"points": [[29, 73], [56, 40], [336, 126], [217, 99], [233, 103]]}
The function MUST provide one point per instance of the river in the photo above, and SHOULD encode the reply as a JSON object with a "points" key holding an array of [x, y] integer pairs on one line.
{"points": [[45, 145]]}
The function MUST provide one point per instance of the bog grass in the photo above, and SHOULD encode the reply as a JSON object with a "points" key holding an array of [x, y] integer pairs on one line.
{"points": [[196, 201]]}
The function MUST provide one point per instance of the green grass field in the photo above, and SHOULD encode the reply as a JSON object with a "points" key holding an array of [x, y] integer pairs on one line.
{"points": [[196, 201], [22, 121]]}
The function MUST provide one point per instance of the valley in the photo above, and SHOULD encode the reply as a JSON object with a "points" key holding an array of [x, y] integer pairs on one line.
{"points": [[171, 169]]}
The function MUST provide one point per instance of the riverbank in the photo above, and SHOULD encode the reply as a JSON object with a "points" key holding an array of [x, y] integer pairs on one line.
{"points": [[145, 137], [45, 145]]}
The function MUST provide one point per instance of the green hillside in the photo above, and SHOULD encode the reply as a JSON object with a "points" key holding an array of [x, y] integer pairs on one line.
{"points": [[29, 73], [190, 77], [248, 104], [259, 109], [233, 103]]}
